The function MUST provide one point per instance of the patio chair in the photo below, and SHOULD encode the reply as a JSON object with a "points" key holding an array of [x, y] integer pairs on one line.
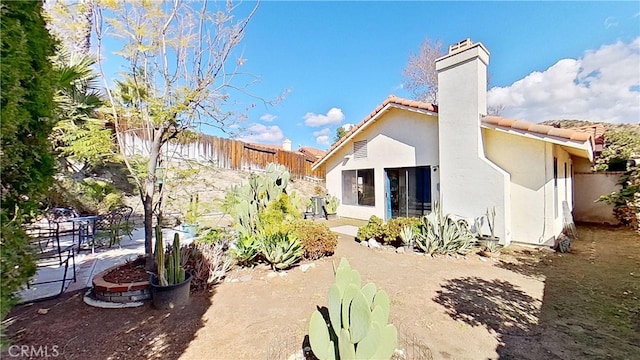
{"points": [[50, 255], [114, 224]]}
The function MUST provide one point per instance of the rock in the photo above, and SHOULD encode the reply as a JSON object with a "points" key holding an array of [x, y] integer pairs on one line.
{"points": [[400, 250], [246, 278], [298, 355], [43, 311], [283, 274], [374, 244], [398, 354], [364, 243], [483, 259], [234, 280], [306, 267], [272, 274]]}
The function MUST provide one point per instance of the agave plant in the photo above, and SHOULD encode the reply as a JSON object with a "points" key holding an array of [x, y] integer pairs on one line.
{"points": [[281, 249], [407, 235], [443, 234], [245, 249]]}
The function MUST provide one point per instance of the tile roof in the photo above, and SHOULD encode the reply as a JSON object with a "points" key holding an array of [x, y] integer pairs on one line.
{"points": [[312, 151], [597, 130], [391, 99], [539, 129]]}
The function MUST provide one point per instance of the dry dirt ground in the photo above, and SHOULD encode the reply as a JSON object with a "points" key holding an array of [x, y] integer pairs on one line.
{"points": [[525, 304]]}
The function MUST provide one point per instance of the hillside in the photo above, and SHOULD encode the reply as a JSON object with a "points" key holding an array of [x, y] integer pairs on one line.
{"points": [[578, 123], [210, 184]]}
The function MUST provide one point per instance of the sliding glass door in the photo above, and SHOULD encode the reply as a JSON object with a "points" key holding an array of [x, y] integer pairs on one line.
{"points": [[408, 191]]}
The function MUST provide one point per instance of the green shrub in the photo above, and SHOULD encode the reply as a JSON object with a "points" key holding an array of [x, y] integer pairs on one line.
{"points": [[277, 213], [373, 229], [316, 238], [86, 196], [214, 236], [391, 230]]}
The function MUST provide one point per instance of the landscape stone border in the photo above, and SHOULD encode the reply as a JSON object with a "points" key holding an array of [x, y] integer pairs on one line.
{"points": [[119, 293]]}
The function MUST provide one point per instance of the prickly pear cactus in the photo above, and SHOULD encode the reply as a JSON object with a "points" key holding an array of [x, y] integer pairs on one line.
{"points": [[357, 323], [256, 195]]}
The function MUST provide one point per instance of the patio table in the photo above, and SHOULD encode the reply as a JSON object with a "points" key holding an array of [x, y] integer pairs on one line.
{"points": [[84, 229]]}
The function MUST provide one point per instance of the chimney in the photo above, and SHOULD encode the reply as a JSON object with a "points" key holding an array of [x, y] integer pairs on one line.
{"points": [[286, 145], [469, 182]]}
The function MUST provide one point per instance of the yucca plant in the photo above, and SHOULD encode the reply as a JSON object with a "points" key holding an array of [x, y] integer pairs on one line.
{"points": [[281, 249]]}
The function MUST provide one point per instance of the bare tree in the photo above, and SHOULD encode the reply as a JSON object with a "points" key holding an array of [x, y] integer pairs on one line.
{"points": [[420, 75], [179, 74]]}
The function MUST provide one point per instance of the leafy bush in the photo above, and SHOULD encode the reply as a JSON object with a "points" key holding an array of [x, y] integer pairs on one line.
{"points": [[277, 213], [626, 201], [27, 110], [316, 238], [442, 234], [373, 229], [214, 236], [391, 230], [86, 196], [281, 250]]}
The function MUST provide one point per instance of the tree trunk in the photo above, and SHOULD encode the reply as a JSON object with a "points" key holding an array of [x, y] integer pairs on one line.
{"points": [[147, 203], [149, 192]]}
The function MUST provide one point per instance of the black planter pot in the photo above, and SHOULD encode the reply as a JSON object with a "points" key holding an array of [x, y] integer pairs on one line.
{"points": [[172, 296]]}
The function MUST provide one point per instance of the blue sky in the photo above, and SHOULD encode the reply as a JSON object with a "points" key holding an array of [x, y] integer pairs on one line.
{"points": [[339, 60]]}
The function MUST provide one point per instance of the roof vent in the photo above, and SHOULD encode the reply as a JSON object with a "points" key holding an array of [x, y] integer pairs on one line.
{"points": [[459, 46]]}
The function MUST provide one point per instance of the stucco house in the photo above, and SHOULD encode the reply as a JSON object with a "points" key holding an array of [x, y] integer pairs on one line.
{"points": [[406, 155]]}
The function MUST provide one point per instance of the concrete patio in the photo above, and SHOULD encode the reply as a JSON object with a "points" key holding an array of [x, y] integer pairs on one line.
{"points": [[88, 264]]}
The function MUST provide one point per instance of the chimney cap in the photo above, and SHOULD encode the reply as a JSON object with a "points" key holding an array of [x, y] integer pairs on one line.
{"points": [[460, 45]]}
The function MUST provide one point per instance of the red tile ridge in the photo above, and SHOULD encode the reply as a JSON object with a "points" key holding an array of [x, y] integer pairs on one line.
{"points": [[540, 129]]}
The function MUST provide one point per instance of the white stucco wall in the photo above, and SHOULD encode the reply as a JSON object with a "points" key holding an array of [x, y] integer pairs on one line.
{"points": [[469, 182], [397, 138], [536, 206], [589, 187]]}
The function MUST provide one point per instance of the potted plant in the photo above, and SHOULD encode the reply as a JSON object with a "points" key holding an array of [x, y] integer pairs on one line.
{"points": [[331, 206], [170, 285], [191, 225], [483, 239], [407, 235]]}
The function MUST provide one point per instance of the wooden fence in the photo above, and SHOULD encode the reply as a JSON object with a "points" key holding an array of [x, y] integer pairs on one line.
{"points": [[229, 154]]}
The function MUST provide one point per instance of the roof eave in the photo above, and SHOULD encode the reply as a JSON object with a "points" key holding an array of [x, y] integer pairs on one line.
{"points": [[368, 123], [585, 147]]}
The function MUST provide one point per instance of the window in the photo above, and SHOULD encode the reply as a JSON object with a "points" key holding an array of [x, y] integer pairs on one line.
{"points": [[360, 149], [358, 187]]}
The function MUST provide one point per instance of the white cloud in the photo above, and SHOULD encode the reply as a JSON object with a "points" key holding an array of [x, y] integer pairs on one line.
{"points": [[268, 117], [602, 85], [348, 126], [323, 136], [263, 134], [610, 22], [333, 116]]}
